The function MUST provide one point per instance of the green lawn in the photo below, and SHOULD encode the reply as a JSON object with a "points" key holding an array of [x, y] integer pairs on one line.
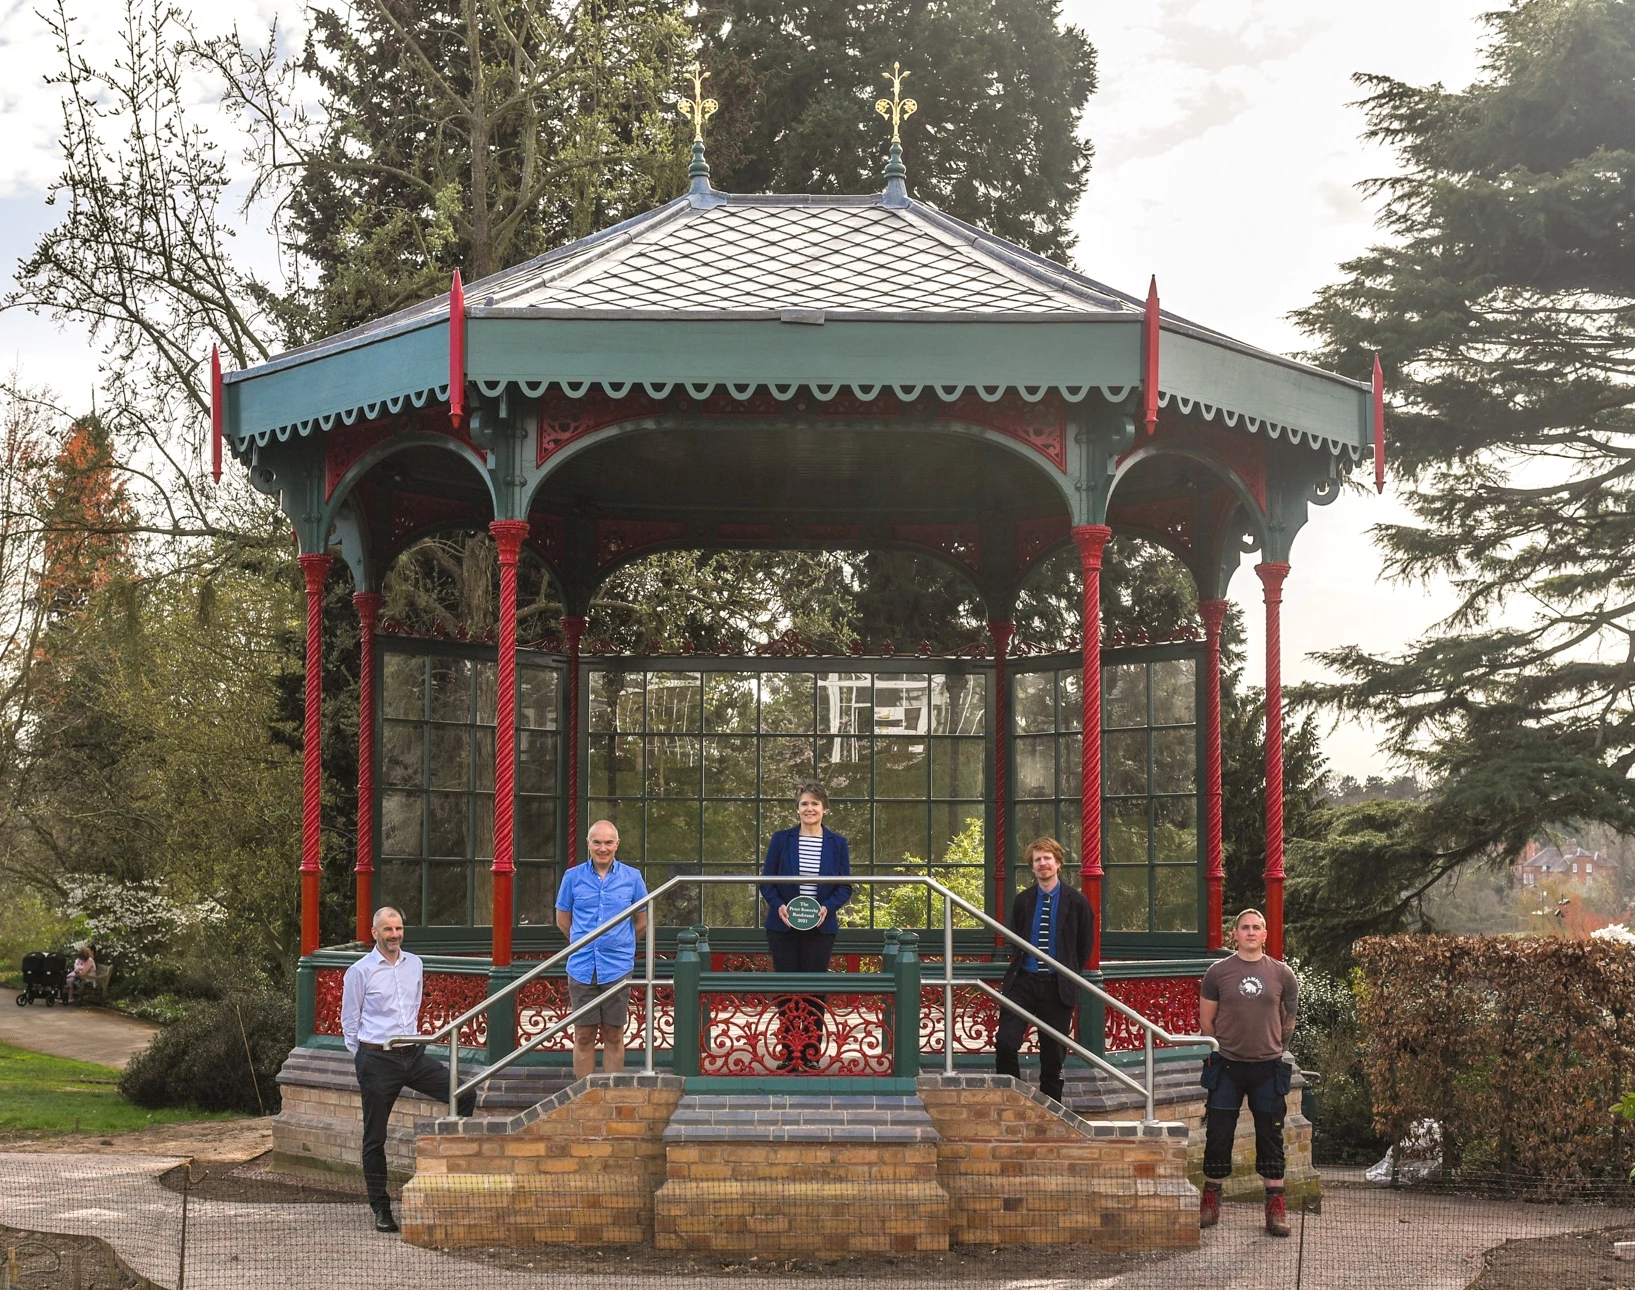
{"points": [[52, 1093]]}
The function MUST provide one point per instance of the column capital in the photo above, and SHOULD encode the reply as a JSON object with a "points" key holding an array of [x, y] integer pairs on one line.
{"points": [[509, 536], [1213, 612], [1092, 540], [1271, 575], [573, 629], [1001, 632], [368, 603], [315, 565]]}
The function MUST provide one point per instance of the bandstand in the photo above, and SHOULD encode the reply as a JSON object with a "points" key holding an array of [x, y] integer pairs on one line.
{"points": [[782, 373]]}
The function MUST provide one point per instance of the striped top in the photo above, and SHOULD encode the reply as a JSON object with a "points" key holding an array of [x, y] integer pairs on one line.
{"points": [[811, 862]]}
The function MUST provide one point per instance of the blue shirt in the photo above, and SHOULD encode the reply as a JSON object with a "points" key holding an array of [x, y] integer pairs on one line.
{"points": [[592, 900], [1031, 964]]}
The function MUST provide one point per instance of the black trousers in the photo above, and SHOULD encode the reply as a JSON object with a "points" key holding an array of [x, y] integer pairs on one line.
{"points": [[381, 1077], [1256, 1081], [800, 1017], [1039, 994]]}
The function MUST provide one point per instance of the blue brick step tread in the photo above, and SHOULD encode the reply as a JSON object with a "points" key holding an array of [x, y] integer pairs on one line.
{"points": [[781, 1117]]}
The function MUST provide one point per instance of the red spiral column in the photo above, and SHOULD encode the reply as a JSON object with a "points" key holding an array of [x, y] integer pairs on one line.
{"points": [[368, 603], [1213, 612], [1091, 540], [314, 567], [1271, 578], [1000, 633], [508, 538], [573, 629]]}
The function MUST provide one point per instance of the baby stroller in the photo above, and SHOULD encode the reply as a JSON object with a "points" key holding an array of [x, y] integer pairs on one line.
{"points": [[43, 977]]}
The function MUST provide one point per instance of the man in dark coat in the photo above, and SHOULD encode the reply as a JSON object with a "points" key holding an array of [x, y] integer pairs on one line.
{"points": [[1058, 919]]}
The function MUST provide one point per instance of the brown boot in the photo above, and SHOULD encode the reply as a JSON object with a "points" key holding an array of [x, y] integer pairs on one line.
{"points": [[1209, 1206], [1277, 1213]]}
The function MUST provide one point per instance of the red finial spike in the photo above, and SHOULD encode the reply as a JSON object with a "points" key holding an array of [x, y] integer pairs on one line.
{"points": [[1149, 356], [215, 413], [457, 352], [1379, 426]]}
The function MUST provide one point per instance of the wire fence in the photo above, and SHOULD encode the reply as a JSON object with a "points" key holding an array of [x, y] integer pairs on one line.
{"points": [[121, 1222]]}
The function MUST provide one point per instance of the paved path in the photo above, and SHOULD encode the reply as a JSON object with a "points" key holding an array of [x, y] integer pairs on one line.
{"points": [[1363, 1239], [83, 1032]]}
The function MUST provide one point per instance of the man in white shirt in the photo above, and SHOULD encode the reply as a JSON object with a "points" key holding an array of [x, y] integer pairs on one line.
{"points": [[380, 1001]]}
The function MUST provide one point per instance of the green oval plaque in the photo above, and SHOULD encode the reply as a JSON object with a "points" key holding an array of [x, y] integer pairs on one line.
{"points": [[804, 913]]}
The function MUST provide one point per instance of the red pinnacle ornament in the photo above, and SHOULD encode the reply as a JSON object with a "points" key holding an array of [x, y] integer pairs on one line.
{"points": [[215, 414], [1149, 356], [457, 352], [1379, 427]]}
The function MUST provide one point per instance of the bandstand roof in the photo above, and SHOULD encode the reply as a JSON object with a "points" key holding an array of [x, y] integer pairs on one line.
{"points": [[876, 294]]}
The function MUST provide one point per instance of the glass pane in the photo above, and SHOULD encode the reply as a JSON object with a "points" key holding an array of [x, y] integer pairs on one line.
{"points": [[450, 689], [1071, 703], [731, 904], [537, 698], [448, 821], [1033, 703], [401, 819], [845, 705], [902, 704], [901, 768], [672, 835], [729, 702], [536, 828], [900, 836], [844, 764], [1124, 696], [673, 765], [615, 701], [447, 898], [1069, 822], [854, 822], [486, 676], [626, 816], [450, 757], [729, 766], [535, 895], [957, 703], [1033, 820], [1175, 830], [1124, 833], [784, 762], [482, 895], [957, 768], [536, 761], [1036, 766], [1177, 909], [482, 757], [402, 754], [1124, 763], [729, 837], [615, 764], [1124, 898], [786, 703], [956, 839], [1174, 760], [482, 822], [674, 701], [1174, 692], [398, 885], [404, 683], [1069, 765]]}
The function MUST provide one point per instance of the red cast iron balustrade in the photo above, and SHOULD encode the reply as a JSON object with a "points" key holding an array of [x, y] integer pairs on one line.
{"points": [[794, 1034]]}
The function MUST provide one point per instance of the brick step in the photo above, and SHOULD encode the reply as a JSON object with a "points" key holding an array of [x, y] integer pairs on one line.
{"points": [[789, 1117]]}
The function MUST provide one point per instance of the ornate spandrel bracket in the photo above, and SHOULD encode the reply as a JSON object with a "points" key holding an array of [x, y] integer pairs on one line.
{"points": [[350, 531], [1101, 433], [297, 481], [498, 432]]}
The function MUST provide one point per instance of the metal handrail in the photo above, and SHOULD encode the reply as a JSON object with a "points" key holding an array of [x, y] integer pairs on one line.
{"points": [[1154, 1033]]}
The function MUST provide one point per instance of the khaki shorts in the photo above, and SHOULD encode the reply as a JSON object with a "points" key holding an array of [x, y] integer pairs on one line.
{"points": [[611, 1013]]}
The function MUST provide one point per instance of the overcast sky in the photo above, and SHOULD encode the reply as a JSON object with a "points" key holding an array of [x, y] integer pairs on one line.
{"points": [[1226, 163]]}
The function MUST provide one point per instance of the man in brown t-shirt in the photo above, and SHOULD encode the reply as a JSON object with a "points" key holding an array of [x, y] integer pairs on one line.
{"points": [[1248, 1004]]}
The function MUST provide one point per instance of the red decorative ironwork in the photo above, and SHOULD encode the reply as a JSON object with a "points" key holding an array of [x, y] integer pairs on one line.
{"points": [[961, 543], [1271, 576], [548, 534], [1092, 540], [1034, 537], [326, 1017], [315, 566], [1171, 1001], [1170, 518], [1213, 613], [790, 645], [445, 996], [618, 538], [831, 534], [794, 1034], [562, 420], [741, 963], [744, 532], [345, 445], [976, 1021], [544, 1001], [417, 513]]}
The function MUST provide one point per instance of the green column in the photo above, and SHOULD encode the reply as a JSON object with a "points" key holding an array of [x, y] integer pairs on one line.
{"points": [[502, 1015], [906, 1059], [1093, 1017], [688, 967], [306, 1001]]}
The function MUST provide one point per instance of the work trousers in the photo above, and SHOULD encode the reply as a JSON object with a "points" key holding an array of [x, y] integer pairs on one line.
{"points": [[1040, 994], [1259, 1082], [381, 1077]]}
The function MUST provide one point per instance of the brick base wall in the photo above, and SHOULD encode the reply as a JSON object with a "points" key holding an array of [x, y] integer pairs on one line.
{"points": [[320, 1128]]}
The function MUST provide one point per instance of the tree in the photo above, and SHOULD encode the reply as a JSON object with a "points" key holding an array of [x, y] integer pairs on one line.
{"points": [[1502, 304], [999, 87]]}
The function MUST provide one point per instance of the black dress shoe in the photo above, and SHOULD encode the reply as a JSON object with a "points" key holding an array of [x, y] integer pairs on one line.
{"points": [[384, 1222]]}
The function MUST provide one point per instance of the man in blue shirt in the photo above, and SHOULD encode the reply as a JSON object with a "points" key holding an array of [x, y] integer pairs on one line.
{"points": [[1059, 921], [591, 894]]}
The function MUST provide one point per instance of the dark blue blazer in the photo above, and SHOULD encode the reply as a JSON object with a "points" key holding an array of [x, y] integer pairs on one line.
{"points": [[783, 858]]}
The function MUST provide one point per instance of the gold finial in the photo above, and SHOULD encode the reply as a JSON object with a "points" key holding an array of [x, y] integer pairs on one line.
{"points": [[896, 107], [698, 109]]}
